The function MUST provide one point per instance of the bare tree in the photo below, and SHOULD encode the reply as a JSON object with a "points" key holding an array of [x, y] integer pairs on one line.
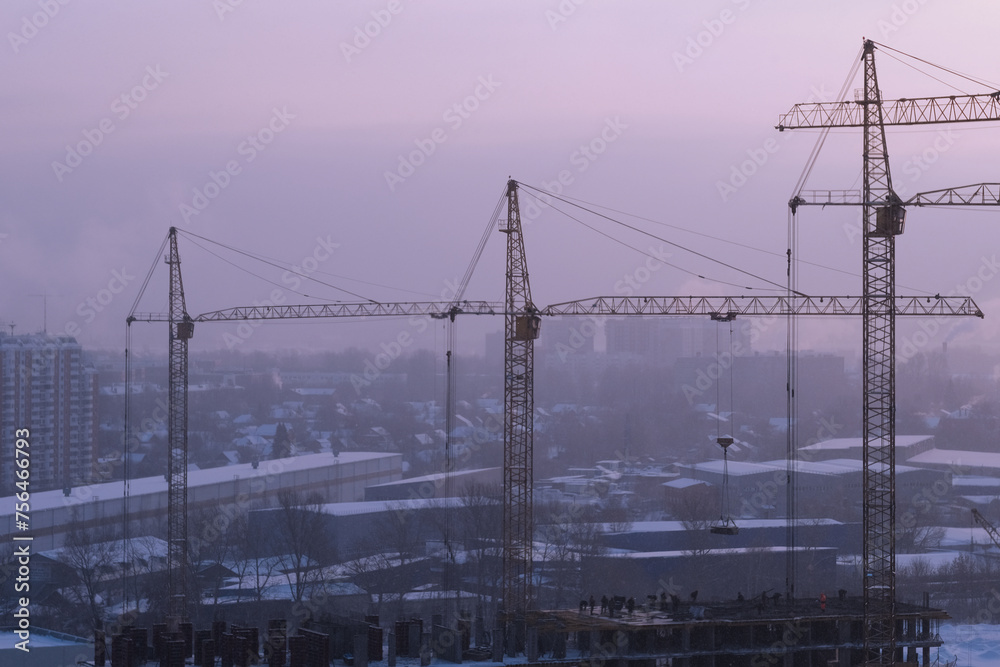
{"points": [[307, 545], [254, 563], [377, 572], [384, 556], [214, 546], [569, 533], [480, 529], [93, 556], [400, 531]]}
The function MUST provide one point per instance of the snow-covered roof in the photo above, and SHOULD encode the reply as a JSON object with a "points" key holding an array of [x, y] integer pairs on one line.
{"points": [[963, 537], [145, 548], [933, 558], [45, 500], [684, 483], [378, 506], [678, 526], [958, 460], [736, 468], [834, 444], [414, 596], [975, 480], [307, 391], [647, 555], [40, 638], [435, 477]]}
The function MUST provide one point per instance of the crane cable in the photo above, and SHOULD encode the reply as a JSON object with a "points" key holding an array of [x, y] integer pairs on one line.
{"points": [[270, 263], [825, 132], [467, 276], [541, 198], [745, 246], [149, 275], [980, 82], [263, 257], [126, 466]]}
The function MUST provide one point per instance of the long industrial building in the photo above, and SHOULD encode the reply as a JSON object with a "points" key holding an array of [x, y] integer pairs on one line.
{"points": [[339, 478]]}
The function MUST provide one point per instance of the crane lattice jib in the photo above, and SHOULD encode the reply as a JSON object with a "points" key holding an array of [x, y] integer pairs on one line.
{"points": [[759, 306], [181, 329], [977, 194], [916, 111], [614, 305], [437, 309], [520, 330]]}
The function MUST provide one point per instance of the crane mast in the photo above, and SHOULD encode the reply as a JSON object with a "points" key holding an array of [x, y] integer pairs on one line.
{"points": [[882, 221], [181, 330], [521, 328]]}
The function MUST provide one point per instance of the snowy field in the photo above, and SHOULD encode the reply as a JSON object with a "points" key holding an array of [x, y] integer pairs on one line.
{"points": [[973, 645]]}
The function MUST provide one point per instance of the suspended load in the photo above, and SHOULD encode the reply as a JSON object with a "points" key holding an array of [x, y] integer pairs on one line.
{"points": [[725, 525]]}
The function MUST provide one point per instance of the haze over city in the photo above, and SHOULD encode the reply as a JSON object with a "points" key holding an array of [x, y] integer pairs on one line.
{"points": [[332, 480]]}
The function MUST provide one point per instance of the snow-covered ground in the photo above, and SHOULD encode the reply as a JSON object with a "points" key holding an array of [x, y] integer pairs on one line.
{"points": [[973, 645]]}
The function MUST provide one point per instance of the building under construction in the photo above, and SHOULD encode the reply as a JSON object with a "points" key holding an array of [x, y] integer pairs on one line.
{"points": [[751, 632]]}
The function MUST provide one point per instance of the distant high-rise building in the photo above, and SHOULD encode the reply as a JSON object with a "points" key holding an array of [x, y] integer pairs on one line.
{"points": [[46, 389], [666, 339]]}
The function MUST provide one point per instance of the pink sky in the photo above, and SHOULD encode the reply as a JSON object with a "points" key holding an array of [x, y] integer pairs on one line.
{"points": [[676, 95]]}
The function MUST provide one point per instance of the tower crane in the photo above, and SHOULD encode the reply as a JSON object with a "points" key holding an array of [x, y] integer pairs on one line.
{"points": [[522, 326], [883, 214], [181, 330]]}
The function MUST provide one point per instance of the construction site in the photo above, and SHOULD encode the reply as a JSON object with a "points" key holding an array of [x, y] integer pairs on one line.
{"points": [[805, 616]]}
